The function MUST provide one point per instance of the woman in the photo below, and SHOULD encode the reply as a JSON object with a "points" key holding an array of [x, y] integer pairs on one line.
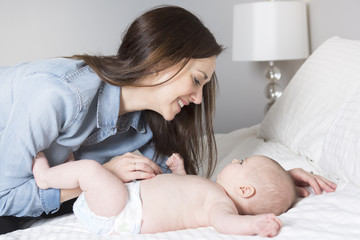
{"points": [[147, 97]]}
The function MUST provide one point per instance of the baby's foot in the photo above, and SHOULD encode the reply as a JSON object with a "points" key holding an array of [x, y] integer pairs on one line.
{"points": [[40, 166], [176, 164], [266, 225]]}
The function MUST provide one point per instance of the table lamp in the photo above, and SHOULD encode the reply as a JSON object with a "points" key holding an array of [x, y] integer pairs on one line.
{"points": [[270, 31]]}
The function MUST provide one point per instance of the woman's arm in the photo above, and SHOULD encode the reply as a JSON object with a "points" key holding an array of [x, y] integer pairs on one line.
{"points": [[34, 121]]}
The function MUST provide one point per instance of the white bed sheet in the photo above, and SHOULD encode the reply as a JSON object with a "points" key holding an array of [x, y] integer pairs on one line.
{"points": [[327, 216]]}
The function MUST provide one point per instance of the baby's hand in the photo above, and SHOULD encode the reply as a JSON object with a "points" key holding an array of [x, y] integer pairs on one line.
{"points": [[266, 225], [176, 164]]}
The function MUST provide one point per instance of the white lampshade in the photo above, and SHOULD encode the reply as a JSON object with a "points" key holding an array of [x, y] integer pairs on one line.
{"points": [[270, 31]]}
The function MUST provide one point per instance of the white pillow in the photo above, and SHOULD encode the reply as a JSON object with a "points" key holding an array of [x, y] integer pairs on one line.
{"points": [[341, 148], [302, 116]]}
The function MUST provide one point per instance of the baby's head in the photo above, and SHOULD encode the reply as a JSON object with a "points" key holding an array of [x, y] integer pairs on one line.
{"points": [[258, 185]]}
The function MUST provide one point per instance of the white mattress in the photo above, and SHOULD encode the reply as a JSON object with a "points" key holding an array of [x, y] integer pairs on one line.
{"points": [[327, 216]]}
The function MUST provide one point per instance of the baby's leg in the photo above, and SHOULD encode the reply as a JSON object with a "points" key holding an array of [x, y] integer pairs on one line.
{"points": [[176, 164], [64, 176], [105, 193]]}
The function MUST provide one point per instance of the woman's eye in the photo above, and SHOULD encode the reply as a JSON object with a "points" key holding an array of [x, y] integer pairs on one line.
{"points": [[196, 81]]}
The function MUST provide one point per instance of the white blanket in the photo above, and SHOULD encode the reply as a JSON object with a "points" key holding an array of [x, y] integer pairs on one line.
{"points": [[327, 216]]}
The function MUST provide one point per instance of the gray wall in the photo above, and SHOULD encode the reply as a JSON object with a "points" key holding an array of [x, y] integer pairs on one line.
{"points": [[34, 29]]}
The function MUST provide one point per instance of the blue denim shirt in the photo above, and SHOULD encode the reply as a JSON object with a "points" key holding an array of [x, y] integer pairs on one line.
{"points": [[59, 106]]}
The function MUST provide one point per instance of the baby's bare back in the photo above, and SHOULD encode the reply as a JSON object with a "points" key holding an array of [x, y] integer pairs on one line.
{"points": [[173, 202]]}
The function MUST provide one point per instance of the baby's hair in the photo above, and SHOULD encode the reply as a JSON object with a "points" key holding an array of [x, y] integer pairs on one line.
{"points": [[275, 190]]}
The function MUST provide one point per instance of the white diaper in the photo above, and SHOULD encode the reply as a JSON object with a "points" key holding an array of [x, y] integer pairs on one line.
{"points": [[128, 221]]}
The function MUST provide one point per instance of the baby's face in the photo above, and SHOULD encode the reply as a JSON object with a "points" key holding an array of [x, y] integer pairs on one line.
{"points": [[238, 171]]}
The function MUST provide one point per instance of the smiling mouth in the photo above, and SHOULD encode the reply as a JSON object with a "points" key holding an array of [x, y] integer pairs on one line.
{"points": [[180, 103]]}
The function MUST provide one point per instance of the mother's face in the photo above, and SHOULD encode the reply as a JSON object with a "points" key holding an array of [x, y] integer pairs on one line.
{"points": [[186, 87]]}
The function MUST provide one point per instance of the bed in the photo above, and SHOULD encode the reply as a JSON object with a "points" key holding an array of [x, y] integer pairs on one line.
{"points": [[314, 125]]}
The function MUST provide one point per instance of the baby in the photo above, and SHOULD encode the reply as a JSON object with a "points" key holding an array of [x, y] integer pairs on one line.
{"points": [[244, 200]]}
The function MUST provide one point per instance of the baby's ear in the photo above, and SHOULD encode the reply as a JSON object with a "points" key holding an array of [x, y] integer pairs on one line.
{"points": [[246, 191]]}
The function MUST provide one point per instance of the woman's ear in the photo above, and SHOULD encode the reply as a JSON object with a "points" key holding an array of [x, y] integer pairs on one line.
{"points": [[246, 191]]}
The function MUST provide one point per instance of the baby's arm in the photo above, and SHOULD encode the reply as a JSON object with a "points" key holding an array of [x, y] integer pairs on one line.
{"points": [[104, 192], [176, 164], [266, 225]]}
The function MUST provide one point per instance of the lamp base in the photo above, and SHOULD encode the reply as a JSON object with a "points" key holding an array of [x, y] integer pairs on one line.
{"points": [[272, 90]]}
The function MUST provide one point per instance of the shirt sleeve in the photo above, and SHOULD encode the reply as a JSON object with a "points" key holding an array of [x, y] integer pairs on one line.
{"points": [[38, 113]]}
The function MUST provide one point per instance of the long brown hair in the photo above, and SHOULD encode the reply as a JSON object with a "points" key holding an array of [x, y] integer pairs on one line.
{"points": [[156, 40]]}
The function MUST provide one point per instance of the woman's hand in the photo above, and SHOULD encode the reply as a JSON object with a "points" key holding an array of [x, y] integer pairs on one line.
{"points": [[303, 179], [131, 166]]}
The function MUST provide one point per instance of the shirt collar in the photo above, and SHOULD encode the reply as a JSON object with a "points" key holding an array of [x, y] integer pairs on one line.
{"points": [[108, 105], [108, 111]]}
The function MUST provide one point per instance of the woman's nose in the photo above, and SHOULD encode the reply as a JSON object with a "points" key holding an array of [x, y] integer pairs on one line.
{"points": [[196, 97]]}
